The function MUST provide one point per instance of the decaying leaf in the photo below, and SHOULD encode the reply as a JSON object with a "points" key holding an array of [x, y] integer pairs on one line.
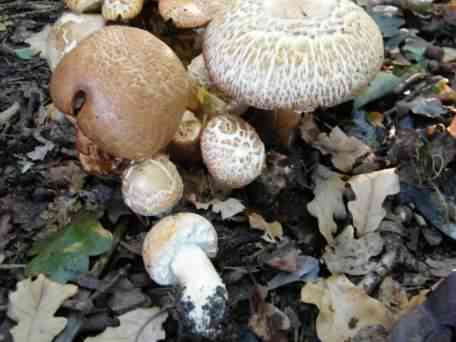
{"points": [[371, 190], [266, 320], [273, 231], [140, 325], [33, 306], [344, 150], [228, 208], [328, 203], [65, 255], [344, 308], [353, 256]]}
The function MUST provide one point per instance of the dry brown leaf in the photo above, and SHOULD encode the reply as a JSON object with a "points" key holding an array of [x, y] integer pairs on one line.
{"points": [[33, 306], [328, 202], [273, 231], [140, 325], [353, 256], [344, 308], [344, 150], [371, 190]]}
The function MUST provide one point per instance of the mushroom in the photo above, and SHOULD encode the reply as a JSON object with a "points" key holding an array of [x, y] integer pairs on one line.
{"points": [[64, 35], [152, 187], [293, 54], [191, 13], [176, 251], [135, 90], [232, 151], [185, 146], [111, 9]]}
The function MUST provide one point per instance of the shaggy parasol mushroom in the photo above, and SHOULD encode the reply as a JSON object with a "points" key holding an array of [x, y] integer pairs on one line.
{"points": [[152, 187], [191, 13], [232, 151], [293, 54], [135, 90], [176, 251], [111, 9]]}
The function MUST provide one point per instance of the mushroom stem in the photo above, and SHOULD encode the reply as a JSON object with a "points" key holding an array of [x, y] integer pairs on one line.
{"points": [[203, 292]]}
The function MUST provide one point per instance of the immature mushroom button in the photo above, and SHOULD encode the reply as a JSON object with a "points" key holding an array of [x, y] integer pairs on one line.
{"points": [[176, 251], [293, 54], [152, 187], [121, 9], [232, 151], [135, 89]]}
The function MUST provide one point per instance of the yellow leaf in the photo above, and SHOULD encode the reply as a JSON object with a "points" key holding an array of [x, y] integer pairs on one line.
{"points": [[33, 306]]}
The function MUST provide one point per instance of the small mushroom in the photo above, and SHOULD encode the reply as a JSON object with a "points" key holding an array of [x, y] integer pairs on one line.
{"points": [[111, 9], [185, 146], [191, 13], [121, 9], [293, 54], [135, 90], [232, 151], [152, 187], [176, 251]]}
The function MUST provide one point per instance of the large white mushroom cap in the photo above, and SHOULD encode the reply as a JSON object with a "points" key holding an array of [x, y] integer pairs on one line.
{"points": [[293, 54]]}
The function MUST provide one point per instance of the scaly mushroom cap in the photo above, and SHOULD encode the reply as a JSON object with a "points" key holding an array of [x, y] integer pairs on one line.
{"points": [[232, 151], [168, 235], [190, 13], [293, 54], [135, 89], [152, 187], [67, 32], [121, 9], [81, 6]]}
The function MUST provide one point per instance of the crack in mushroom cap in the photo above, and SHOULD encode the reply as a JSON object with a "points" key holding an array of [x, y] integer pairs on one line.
{"points": [[232, 151], [293, 54], [121, 9], [165, 237], [135, 89]]}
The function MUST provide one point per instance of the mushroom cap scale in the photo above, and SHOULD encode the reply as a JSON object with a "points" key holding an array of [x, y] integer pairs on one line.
{"points": [[293, 54], [165, 237], [133, 84]]}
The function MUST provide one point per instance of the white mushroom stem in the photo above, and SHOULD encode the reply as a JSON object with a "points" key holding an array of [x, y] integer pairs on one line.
{"points": [[202, 289]]}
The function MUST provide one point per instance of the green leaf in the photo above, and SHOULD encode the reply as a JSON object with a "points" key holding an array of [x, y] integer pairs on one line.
{"points": [[383, 84], [65, 255], [25, 53]]}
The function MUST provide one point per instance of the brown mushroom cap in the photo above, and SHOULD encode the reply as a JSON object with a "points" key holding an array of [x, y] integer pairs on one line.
{"points": [[135, 90], [293, 54], [191, 13]]}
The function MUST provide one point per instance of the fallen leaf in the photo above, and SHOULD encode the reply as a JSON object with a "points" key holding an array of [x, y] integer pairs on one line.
{"points": [[383, 84], [273, 231], [344, 150], [33, 306], [307, 269], [353, 256], [328, 202], [308, 128], [228, 208], [140, 325], [344, 308], [65, 255], [266, 320], [371, 190]]}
